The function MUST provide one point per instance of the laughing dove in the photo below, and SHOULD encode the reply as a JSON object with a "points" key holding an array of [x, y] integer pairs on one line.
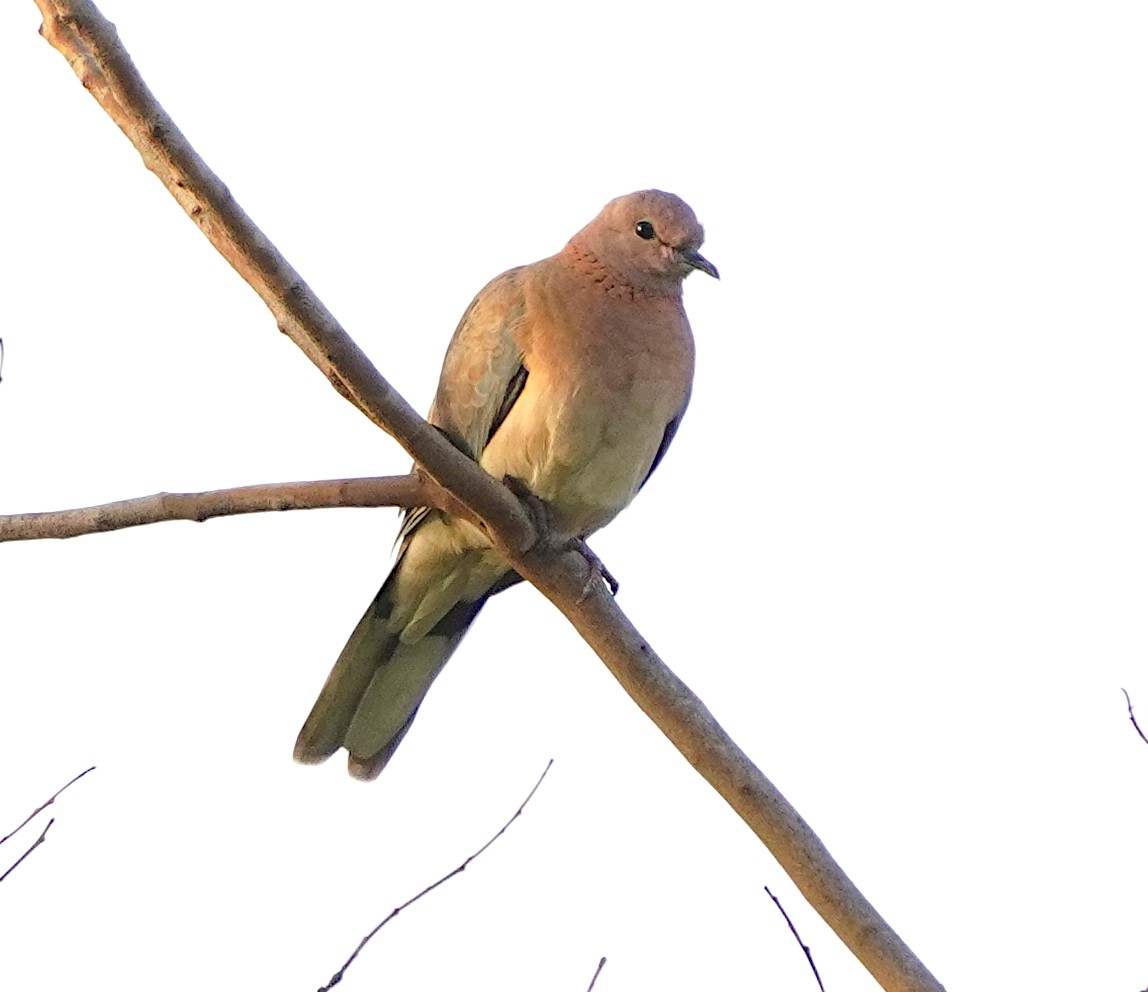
{"points": [[570, 375]]}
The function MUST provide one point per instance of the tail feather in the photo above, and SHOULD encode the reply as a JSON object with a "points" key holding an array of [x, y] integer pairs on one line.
{"points": [[367, 769], [375, 688], [410, 630], [369, 644], [390, 700]]}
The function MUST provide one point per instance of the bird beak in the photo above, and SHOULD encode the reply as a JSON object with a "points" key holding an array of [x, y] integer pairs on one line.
{"points": [[695, 260]]}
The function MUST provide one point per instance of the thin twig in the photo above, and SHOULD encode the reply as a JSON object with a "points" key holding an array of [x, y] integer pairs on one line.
{"points": [[39, 840], [399, 490], [338, 976], [1132, 717], [43, 806], [797, 937], [594, 980]]}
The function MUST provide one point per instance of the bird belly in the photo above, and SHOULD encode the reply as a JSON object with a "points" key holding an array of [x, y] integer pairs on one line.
{"points": [[585, 451]]}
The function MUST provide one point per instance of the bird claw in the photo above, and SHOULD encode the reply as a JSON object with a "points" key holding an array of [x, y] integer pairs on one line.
{"points": [[539, 511], [598, 569]]}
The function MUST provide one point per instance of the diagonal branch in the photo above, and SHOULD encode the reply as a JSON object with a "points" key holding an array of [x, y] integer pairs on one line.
{"points": [[796, 936], [1132, 716], [35, 844], [89, 43], [45, 804], [341, 973], [597, 972], [47, 826]]}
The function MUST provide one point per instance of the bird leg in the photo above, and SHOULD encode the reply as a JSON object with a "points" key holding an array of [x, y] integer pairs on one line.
{"points": [[542, 519], [538, 509], [598, 568]]}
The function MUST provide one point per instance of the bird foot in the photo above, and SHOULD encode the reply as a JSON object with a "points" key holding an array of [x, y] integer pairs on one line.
{"points": [[598, 569], [540, 515]]}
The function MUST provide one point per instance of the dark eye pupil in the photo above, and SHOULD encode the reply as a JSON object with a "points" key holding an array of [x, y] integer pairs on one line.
{"points": [[644, 229]]}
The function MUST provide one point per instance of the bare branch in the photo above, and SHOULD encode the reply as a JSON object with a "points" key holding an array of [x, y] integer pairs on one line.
{"points": [[31, 816], [44, 805], [89, 43], [398, 490], [38, 841], [597, 972], [1131, 716], [338, 976], [796, 936], [692, 729]]}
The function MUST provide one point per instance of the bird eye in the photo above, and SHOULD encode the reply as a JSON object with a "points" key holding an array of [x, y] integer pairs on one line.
{"points": [[644, 229]]}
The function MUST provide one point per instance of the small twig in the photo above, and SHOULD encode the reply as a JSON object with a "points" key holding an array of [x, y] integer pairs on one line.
{"points": [[797, 937], [39, 840], [338, 976], [594, 980], [40, 809], [1131, 717]]}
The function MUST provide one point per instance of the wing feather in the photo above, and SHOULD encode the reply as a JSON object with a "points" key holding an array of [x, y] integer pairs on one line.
{"points": [[482, 374]]}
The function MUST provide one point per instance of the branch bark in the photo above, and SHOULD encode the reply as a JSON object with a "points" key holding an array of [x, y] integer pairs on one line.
{"points": [[92, 47], [90, 44], [400, 490]]}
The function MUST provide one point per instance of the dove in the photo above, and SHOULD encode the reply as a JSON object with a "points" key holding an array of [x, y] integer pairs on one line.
{"points": [[568, 376]]}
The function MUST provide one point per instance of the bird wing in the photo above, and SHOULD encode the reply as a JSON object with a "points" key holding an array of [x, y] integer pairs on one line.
{"points": [[482, 374], [667, 437]]}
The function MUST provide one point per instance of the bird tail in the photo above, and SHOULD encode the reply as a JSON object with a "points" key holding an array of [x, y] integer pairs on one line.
{"points": [[370, 699]]}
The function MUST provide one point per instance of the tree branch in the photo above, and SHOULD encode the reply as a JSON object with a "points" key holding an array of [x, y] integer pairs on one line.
{"points": [[31, 816], [399, 490], [89, 42], [796, 936], [45, 804], [1132, 716], [35, 844], [597, 972]]}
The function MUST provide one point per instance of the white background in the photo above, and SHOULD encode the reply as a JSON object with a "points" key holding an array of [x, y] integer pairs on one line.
{"points": [[900, 546]]}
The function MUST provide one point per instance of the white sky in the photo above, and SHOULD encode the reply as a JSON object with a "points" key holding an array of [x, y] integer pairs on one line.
{"points": [[900, 546]]}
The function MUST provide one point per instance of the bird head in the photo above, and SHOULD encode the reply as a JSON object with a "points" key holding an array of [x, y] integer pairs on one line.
{"points": [[650, 238]]}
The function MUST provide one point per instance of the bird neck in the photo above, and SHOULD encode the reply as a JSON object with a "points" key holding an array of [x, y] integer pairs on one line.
{"points": [[582, 259]]}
